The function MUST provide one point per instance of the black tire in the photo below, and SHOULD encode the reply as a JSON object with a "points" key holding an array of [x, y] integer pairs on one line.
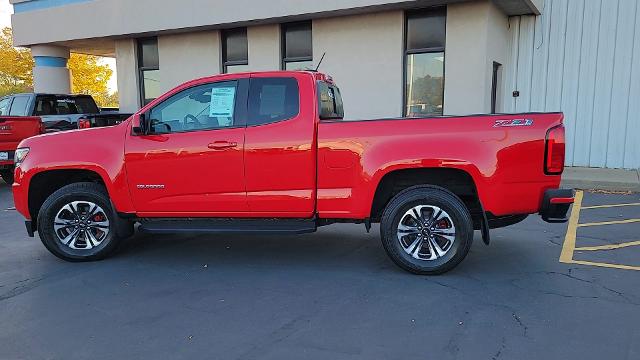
{"points": [[7, 176], [84, 191], [429, 196]]}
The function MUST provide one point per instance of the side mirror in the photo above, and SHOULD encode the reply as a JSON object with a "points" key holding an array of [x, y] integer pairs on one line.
{"points": [[143, 126]]}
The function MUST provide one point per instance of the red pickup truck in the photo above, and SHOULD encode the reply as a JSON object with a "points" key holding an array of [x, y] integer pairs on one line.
{"points": [[270, 153], [14, 127]]}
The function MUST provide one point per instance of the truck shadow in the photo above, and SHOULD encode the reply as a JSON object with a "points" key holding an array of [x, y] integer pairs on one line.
{"points": [[333, 246], [340, 247]]}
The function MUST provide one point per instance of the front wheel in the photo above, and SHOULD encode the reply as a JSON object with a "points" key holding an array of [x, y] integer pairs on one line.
{"points": [[426, 230], [77, 223]]}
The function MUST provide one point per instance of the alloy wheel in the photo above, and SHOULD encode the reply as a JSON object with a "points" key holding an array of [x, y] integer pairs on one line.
{"points": [[81, 225], [426, 232]]}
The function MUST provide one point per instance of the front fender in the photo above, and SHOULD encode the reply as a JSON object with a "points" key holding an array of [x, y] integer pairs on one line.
{"points": [[99, 150]]}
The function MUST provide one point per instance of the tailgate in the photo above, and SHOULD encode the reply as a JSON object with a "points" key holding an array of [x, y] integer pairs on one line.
{"points": [[14, 129]]}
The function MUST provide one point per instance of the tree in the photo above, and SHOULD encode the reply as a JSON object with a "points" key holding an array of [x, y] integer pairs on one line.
{"points": [[16, 66], [88, 75]]}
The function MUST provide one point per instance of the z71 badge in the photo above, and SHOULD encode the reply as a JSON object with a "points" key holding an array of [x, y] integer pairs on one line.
{"points": [[513, 122]]}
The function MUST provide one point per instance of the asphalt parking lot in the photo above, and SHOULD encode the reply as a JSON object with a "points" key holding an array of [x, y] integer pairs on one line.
{"points": [[330, 295]]}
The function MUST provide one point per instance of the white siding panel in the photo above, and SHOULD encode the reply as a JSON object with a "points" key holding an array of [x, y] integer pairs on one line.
{"points": [[572, 62], [540, 59], [555, 68], [582, 58], [525, 64], [621, 83], [604, 81], [510, 77], [632, 143], [586, 82]]}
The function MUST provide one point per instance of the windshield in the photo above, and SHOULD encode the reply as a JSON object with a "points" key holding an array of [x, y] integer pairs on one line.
{"points": [[64, 105]]}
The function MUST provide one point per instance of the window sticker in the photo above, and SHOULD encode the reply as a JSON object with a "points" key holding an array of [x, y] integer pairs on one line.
{"points": [[222, 101]]}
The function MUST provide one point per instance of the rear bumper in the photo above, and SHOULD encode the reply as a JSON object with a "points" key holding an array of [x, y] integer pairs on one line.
{"points": [[556, 204]]}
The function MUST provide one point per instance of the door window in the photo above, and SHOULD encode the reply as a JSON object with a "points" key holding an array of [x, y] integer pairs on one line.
{"points": [[4, 106], [204, 107], [273, 99], [19, 106]]}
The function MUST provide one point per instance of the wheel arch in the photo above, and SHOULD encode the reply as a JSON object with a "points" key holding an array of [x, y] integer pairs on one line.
{"points": [[44, 183], [458, 181]]}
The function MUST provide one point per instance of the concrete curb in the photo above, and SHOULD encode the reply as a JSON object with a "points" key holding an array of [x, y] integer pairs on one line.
{"points": [[601, 179]]}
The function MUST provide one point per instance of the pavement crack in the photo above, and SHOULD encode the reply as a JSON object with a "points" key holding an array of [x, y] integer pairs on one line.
{"points": [[593, 282], [276, 336], [503, 346], [524, 327], [23, 286]]}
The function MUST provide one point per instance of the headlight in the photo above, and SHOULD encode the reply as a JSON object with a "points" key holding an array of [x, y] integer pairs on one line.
{"points": [[21, 154]]}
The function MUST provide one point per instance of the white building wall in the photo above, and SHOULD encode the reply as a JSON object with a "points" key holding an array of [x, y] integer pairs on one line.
{"points": [[477, 35], [188, 56], [264, 47], [364, 57], [582, 58], [127, 65]]}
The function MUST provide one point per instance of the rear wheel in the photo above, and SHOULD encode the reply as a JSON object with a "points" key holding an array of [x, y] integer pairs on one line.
{"points": [[77, 223], [426, 230], [7, 176]]}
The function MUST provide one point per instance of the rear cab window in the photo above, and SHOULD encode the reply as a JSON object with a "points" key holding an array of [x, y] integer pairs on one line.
{"points": [[330, 105], [272, 100], [64, 105]]}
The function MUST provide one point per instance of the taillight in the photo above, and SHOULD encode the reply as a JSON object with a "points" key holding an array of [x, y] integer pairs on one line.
{"points": [[84, 124], [554, 151], [43, 128]]}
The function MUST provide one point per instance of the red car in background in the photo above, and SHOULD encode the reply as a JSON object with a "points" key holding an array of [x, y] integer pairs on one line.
{"points": [[14, 128], [28, 114], [270, 153]]}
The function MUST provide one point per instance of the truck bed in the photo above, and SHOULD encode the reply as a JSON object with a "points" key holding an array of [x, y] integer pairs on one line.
{"points": [[503, 154]]}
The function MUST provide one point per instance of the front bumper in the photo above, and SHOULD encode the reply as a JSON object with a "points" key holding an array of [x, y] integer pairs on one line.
{"points": [[556, 204]]}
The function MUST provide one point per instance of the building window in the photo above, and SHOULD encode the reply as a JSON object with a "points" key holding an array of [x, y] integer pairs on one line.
{"points": [[235, 51], [424, 62], [149, 69], [297, 47]]}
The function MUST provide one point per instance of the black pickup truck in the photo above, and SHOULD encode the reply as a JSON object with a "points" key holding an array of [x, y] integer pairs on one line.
{"points": [[60, 112]]}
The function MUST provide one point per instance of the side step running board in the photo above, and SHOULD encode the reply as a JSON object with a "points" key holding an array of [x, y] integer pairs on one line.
{"points": [[229, 226]]}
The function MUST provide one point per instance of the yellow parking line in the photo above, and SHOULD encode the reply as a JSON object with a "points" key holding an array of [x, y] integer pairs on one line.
{"points": [[566, 256], [569, 246], [609, 206], [608, 247], [606, 265], [610, 222]]}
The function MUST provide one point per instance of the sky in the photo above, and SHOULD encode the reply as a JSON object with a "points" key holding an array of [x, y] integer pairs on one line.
{"points": [[5, 13], [5, 20]]}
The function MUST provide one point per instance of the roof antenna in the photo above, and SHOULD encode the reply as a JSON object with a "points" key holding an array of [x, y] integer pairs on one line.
{"points": [[320, 62]]}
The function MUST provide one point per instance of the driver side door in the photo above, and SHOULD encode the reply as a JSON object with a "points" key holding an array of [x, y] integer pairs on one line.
{"points": [[191, 163]]}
